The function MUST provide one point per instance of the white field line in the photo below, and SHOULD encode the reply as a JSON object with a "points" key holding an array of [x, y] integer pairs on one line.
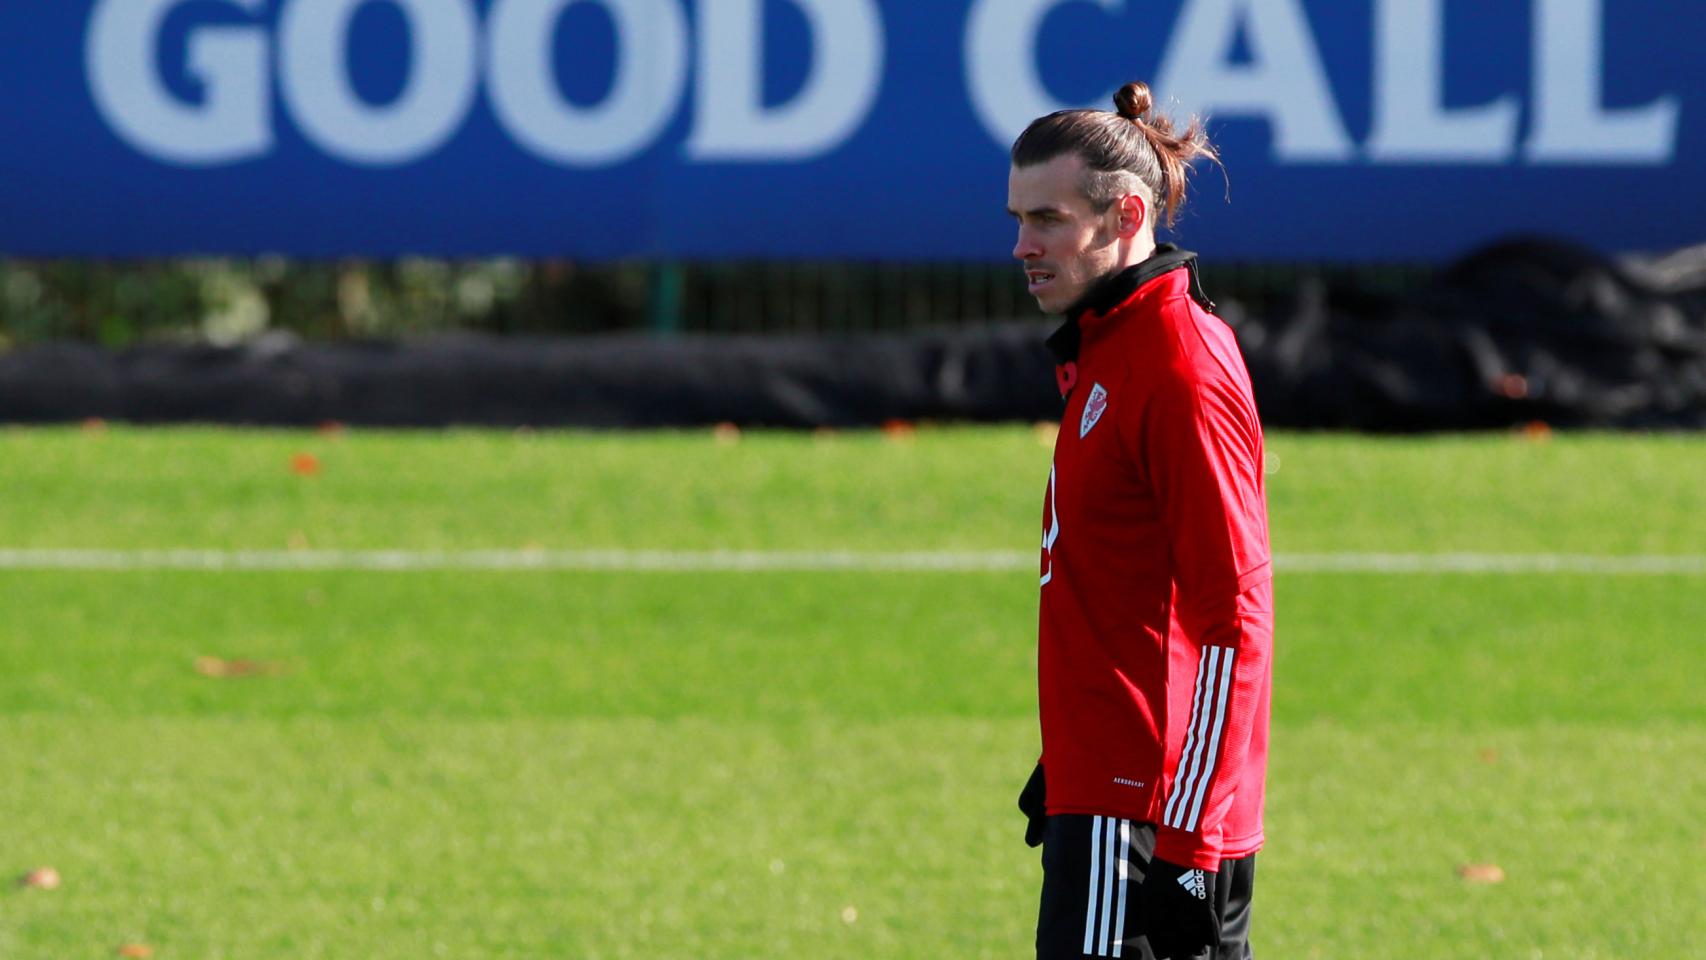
{"points": [[1613, 564], [740, 561], [639, 561]]}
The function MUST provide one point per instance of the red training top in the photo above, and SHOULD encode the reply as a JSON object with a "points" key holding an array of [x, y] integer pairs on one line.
{"points": [[1154, 658]]}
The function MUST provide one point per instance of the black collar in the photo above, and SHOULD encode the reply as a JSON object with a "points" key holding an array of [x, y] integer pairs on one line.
{"points": [[1117, 289]]}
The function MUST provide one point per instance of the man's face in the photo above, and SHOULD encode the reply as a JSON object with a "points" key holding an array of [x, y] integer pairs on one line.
{"points": [[1065, 244]]}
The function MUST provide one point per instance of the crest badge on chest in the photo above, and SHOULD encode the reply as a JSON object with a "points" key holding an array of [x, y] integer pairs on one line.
{"points": [[1094, 406]]}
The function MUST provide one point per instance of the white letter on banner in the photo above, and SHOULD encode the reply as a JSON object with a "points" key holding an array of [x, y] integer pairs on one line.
{"points": [[443, 78], [1285, 84], [651, 70], [1569, 124], [234, 121], [846, 70], [1001, 64], [1410, 123]]}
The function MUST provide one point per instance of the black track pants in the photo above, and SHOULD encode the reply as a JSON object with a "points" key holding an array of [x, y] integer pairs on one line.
{"points": [[1092, 876]]}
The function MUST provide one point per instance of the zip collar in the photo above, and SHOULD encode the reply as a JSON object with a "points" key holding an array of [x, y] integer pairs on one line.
{"points": [[1113, 291]]}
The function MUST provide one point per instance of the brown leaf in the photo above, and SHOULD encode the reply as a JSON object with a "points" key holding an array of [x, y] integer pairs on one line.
{"points": [[899, 431], [220, 667], [135, 950], [1481, 873], [41, 878], [304, 464]]}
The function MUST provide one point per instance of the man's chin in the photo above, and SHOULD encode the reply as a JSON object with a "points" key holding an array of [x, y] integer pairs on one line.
{"points": [[1052, 303]]}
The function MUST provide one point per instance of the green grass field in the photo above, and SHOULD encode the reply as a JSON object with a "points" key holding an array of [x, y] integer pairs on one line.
{"points": [[808, 764]]}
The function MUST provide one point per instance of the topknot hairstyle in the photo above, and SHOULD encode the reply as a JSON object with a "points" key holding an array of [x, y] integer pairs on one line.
{"points": [[1132, 141]]}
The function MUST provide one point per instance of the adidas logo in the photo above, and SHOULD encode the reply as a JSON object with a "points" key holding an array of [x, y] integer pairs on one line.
{"points": [[1194, 883]]}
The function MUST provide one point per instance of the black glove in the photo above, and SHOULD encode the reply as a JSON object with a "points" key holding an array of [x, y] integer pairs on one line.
{"points": [[1032, 804], [1177, 912]]}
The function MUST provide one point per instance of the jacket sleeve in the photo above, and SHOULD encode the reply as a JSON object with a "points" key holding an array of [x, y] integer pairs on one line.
{"points": [[1202, 444]]}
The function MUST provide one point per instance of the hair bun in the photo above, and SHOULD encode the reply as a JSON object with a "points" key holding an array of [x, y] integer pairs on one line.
{"points": [[1134, 100]]}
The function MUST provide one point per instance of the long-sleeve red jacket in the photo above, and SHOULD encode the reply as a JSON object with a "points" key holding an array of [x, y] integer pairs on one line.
{"points": [[1156, 638]]}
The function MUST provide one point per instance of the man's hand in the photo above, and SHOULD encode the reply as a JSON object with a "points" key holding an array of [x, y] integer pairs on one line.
{"points": [[1032, 803], [1177, 913]]}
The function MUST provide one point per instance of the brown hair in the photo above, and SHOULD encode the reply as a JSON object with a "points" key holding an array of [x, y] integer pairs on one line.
{"points": [[1134, 141]]}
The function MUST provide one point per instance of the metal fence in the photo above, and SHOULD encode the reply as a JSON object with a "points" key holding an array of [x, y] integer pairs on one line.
{"points": [[226, 300]]}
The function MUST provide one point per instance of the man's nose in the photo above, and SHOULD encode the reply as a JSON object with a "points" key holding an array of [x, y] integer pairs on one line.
{"points": [[1025, 248]]}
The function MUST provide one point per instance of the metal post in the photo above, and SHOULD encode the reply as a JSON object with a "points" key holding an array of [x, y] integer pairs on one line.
{"points": [[664, 304]]}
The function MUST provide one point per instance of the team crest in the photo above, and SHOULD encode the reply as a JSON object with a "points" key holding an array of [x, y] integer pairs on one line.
{"points": [[1093, 409]]}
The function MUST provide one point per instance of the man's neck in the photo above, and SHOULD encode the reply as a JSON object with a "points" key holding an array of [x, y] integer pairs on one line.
{"points": [[1114, 286], [1133, 252], [1115, 289]]}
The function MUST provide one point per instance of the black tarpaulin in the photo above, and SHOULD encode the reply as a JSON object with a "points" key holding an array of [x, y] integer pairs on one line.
{"points": [[1519, 332]]}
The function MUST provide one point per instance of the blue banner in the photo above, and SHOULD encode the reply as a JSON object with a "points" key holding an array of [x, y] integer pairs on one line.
{"points": [[602, 129]]}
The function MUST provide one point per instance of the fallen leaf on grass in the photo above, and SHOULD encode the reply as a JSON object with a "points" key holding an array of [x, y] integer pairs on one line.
{"points": [[1487, 755], [220, 667], [899, 431], [135, 950], [41, 878], [304, 464], [1482, 873]]}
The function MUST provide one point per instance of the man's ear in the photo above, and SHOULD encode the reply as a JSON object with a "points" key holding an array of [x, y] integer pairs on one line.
{"points": [[1134, 213]]}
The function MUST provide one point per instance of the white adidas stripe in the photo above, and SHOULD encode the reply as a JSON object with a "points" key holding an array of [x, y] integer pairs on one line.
{"points": [[1090, 902], [1187, 753], [1202, 744], [1108, 885], [1124, 861], [1104, 903], [1200, 790], [744, 561]]}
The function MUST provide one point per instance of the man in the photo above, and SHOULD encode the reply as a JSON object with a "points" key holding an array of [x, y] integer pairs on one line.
{"points": [[1156, 626]]}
